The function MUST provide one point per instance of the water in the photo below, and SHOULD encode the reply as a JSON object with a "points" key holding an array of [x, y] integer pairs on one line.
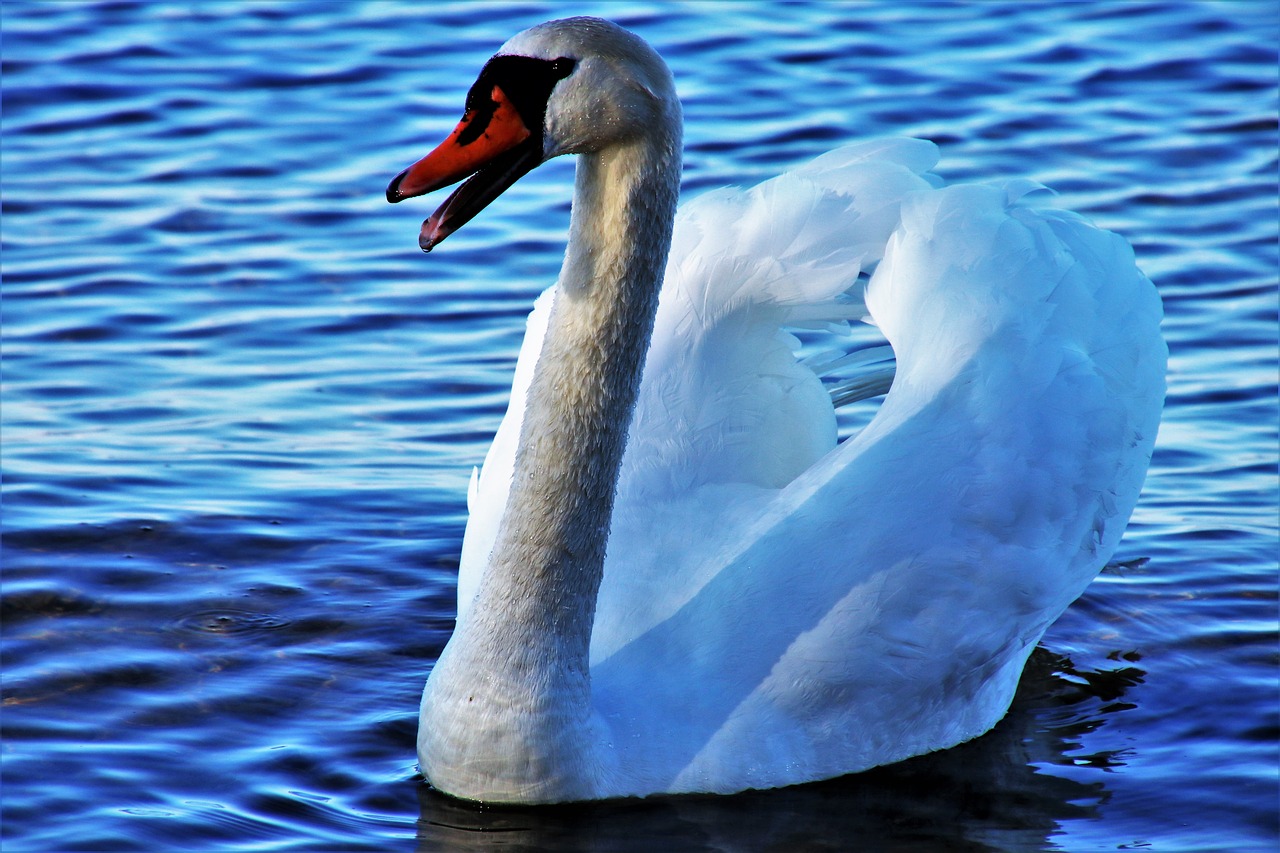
{"points": [[240, 411]]}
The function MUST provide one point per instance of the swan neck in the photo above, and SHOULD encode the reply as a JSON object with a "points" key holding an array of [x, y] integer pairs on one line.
{"points": [[539, 590], [507, 712]]}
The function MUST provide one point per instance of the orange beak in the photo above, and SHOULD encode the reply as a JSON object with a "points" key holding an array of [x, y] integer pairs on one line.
{"points": [[491, 147]]}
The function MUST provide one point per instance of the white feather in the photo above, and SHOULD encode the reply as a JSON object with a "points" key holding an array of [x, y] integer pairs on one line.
{"points": [[776, 608]]}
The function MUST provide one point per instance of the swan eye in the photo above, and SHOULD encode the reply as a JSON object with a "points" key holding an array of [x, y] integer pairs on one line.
{"points": [[527, 82]]}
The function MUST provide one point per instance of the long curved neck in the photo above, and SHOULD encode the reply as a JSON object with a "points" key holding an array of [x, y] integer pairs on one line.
{"points": [[548, 559], [518, 660]]}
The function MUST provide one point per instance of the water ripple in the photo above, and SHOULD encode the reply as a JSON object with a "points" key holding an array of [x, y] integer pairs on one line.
{"points": [[230, 623], [241, 409]]}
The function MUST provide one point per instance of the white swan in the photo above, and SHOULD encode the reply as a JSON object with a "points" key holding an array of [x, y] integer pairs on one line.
{"points": [[772, 608]]}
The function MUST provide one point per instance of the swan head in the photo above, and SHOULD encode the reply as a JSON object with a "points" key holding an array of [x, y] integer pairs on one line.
{"points": [[573, 86]]}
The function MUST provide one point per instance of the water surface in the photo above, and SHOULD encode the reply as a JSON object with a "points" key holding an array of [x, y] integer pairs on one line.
{"points": [[240, 410]]}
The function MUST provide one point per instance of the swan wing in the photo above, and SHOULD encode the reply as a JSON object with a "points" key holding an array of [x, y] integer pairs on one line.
{"points": [[882, 603], [726, 414], [723, 401], [836, 607], [491, 483]]}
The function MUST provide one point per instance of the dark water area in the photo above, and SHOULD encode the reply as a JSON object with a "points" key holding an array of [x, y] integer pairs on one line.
{"points": [[240, 411]]}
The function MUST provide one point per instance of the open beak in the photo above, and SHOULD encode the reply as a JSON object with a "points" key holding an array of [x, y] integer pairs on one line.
{"points": [[491, 147]]}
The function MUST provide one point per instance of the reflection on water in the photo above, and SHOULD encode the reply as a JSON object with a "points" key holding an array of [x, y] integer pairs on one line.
{"points": [[989, 794], [174, 686], [240, 410]]}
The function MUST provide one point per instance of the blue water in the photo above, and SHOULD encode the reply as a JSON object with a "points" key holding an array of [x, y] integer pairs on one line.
{"points": [[240, 409]]}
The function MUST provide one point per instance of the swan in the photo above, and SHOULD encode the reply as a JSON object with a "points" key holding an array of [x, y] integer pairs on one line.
{"points": [[674, 578]]}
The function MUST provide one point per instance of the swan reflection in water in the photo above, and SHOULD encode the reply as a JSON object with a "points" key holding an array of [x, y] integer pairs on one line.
{"points": [[998, 792]]}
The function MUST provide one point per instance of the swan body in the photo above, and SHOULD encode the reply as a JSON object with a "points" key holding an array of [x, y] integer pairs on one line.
{"points": [[674, 579]]}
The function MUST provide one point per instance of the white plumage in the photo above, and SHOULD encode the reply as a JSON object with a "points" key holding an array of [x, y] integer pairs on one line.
{"points": [[776, 608]]}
